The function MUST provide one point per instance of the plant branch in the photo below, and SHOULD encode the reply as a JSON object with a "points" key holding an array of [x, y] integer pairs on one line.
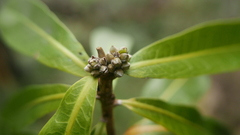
{"points": [[107, 99]]}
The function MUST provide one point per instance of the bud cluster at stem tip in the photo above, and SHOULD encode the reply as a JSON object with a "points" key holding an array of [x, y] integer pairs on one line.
{"points": [[116, 62]]}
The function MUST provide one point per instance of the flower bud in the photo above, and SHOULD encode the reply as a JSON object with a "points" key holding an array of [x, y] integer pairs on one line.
{"points": [[116, 62], [109, 57], [118, 73], [129, 57], [125, 66], [95, 73], [123, 50], [103, 61], [113, 50], [88, 68], [97, 66], [103, 69], [110, 68], [123, 57]]}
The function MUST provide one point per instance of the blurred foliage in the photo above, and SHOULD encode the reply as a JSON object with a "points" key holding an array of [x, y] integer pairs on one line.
{"points": [[145, 21]]}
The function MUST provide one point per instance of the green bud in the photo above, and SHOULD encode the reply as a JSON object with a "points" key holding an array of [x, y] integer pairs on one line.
{"points": [[123, 50], [118, 73]]}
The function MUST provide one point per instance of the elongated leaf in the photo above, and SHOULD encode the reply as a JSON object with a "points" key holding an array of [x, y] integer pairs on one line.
{"points": [[178, 91], [29, 105], [147, 127], [204, 49], [180, 120], [29, 27], [74, 116]]}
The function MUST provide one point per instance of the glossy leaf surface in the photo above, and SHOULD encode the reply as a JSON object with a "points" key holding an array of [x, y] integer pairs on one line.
{"points": [[29, 27], [180, 120], [30, 104], [74, 116], [178, 91], [204, 49]]}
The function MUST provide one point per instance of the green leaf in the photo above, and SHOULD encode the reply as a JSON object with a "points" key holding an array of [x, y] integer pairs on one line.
{"points": [[30, 104], [29, 27], [178, 91], [204, 49], [181, 120], [74, 116], [99, 129], [147, 127]]}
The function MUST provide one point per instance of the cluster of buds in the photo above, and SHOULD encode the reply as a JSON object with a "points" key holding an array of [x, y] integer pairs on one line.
{"points": [[115, 62]]}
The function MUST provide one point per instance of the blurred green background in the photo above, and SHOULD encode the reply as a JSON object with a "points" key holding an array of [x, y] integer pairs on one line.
{"points": [[137, 23]]}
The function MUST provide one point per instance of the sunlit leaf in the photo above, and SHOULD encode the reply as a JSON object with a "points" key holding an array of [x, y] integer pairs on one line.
{"points": [[29, 27], [180, 120], [147, 127], [30, 104], [178, 91], [74, 116], [204, 49]]}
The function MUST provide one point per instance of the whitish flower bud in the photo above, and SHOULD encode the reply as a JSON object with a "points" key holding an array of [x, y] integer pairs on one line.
{"points": [[129, 57], [95, 73], [111, 68], [93, 62], [103, 61], [109, 57], [125, 66], [116, 62], [103, 69], [113, 50], [123, 57], [123, 50], [88, 68], [97, 66], [118, 73]]}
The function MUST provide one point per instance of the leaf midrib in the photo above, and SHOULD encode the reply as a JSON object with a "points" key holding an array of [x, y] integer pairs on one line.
{"points": [[50, 39], [79, 102], [134, 103], [145, 63]]}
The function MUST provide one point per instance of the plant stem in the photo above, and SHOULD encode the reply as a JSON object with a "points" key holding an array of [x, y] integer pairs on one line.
{"points": [[107, 98]]}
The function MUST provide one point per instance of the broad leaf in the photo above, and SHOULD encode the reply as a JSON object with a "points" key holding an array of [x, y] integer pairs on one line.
{"points": [[74, 116], [147, 127], [180, 120], [30, 104], [204, 49], [29, 27], [178, 91]]}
